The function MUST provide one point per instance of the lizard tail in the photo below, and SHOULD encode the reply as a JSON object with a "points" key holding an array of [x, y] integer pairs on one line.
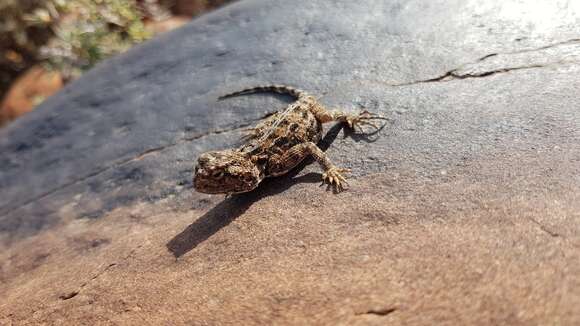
{"points": [[280, 89]]}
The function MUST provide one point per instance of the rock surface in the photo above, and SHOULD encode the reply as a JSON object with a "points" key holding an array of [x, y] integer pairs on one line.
{"points": [[465, 209]]}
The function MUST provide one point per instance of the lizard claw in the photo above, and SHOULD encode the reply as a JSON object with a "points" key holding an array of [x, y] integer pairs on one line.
{"points": [[334, 177], [363, 119]]}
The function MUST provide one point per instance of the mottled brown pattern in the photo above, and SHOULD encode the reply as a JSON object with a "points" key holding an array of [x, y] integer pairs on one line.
{"points": [[275, 146]]}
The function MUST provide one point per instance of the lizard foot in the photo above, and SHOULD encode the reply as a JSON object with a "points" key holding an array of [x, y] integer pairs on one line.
{"points": [[363, 119], [334, 177]]}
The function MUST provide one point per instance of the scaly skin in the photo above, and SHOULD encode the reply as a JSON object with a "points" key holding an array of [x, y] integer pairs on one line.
{"points": [[276, 145]]}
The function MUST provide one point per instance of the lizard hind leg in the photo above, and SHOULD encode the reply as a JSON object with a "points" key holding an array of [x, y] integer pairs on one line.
{"points": [[282, 163]]}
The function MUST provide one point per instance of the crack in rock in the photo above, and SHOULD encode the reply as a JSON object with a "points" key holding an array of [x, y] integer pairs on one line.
{"points": [[183, 140], [553, 45], [544, 228], [73, 294], [69, 295], [454, 74], [505, 61], [379, 312]]}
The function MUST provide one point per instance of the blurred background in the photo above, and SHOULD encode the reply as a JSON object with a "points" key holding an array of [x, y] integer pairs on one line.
{"points": [[45, 44]]}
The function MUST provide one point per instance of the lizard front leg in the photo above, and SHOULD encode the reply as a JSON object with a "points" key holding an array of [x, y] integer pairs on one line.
{"points": [[281, 163], [352, 120]]}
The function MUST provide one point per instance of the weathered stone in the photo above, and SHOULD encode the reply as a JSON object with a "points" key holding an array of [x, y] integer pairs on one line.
{"points": [[463, 210]]}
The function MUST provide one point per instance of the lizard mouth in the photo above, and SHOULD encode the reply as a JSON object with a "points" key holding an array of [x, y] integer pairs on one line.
{"points": [[218, 190], [207, 185], [248, 189]]}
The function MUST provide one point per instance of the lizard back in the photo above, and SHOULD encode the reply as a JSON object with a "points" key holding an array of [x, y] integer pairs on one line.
{"points": [[281, 131], [294, 125]]}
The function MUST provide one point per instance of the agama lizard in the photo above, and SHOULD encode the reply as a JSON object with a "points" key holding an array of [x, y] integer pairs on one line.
{"points": [[275, 146]]}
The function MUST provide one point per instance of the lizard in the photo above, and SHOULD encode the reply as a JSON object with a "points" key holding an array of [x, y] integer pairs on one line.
{"points": [[276, 145]]}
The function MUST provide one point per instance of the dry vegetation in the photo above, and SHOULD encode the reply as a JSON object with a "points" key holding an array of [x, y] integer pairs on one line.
{"points": [[67, 37]]}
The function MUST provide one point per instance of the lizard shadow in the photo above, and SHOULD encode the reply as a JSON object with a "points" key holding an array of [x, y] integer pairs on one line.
{"points": [[232, 207], [228, 210]]}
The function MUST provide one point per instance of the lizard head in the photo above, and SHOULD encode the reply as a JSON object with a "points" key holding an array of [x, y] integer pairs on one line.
{"points": [[226, 172]]}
